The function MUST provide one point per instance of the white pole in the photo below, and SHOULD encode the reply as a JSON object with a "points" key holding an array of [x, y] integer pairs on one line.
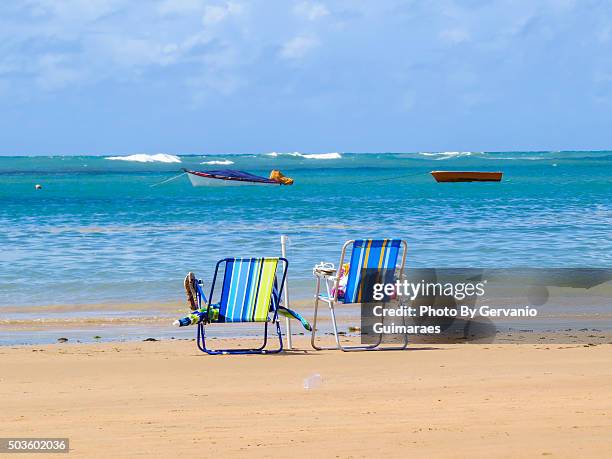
{"points": [[284, 240]]}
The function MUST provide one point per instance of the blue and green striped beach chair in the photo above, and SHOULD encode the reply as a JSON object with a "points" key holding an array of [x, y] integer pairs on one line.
{"points": [[249, 292], [377, 257]]}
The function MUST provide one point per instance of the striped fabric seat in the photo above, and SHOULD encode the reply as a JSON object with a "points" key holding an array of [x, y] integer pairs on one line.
{"points": [[374, 254], [246, 293]]}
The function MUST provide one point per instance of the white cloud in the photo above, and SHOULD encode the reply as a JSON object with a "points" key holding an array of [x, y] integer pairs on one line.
{"points": [[56, 71], [561, 6], [52, 46], [298, 47], [455, 35], [311, 10], [74, 10], [214, 14], [167, 7], [136, 52]]}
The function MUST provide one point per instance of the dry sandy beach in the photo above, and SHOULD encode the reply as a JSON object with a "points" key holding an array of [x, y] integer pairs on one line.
{"points": [[166, 399]]}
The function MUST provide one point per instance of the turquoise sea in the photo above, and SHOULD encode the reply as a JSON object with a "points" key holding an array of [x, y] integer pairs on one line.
{"points": [[98, 232]]}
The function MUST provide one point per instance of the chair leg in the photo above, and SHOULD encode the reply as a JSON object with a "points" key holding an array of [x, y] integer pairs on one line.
{"points": [[200, 338], [339, 345], [370, 347], [314, 320], [330, 304], [201, 341], [374, 347], [280, 341], [332, 312]]}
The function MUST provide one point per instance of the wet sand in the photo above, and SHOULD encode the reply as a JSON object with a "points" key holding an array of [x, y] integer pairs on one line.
{"points": [[136, 321]]}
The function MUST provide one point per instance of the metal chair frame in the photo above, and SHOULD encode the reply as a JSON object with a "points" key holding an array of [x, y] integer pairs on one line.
{"points": [[331, 299]]}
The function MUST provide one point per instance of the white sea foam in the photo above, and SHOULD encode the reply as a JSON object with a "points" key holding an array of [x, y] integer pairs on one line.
{"points": [[323, 156], [458, 154], [145, 158], [297, 154], [517, 158], [225, 162], [447, 154]]}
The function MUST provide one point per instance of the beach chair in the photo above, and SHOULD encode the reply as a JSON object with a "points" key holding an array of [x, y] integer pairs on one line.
{"points": [[249, 292], [379, 257]]}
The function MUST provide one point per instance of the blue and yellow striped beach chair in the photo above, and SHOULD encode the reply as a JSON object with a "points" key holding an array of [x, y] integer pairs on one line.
{"points": [[377, 257], [248, 293]]}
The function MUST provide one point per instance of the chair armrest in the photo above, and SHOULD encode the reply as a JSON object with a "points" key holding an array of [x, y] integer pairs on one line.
{"points": [[324, 273], [324, 270]]}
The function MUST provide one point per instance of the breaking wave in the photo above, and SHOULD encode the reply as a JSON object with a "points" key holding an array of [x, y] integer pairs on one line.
{"points": [[225, 162], [145, 158], [323, 156], [447, 154], [519, 158], [333, 155]]}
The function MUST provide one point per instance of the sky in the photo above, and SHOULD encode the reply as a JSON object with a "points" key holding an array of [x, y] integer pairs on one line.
{"points": [[251, 76]]}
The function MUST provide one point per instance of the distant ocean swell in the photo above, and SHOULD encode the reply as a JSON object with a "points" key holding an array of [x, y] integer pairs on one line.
{"points": [[166, 158], [145, 158]]}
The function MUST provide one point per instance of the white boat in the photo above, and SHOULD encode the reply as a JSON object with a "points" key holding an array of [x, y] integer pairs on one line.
{"points": [[226, 177]]}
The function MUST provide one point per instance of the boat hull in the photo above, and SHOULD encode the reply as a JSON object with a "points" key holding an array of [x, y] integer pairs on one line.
{"points": [[466, 176], [198, 180]]}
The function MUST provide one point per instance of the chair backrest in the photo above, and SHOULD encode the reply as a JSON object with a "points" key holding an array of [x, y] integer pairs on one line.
{"points": [[371, 254], [246, 292]]}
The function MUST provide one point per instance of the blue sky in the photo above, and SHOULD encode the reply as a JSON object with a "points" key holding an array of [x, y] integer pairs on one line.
{"points": [[204, 76]]}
